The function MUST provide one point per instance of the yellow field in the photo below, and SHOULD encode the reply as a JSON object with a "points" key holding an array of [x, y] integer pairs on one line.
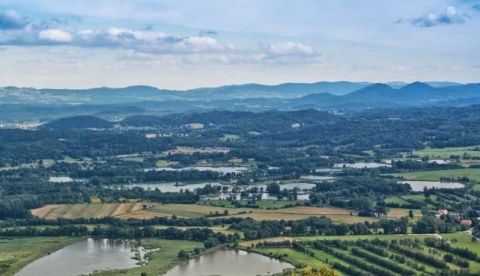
{"points": [[55, 211], [135, 210]]}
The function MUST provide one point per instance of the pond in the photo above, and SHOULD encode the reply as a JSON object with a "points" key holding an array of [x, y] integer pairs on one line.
{"points": [[84, 257], [361, 165], [60, 179], [417, 186], [327, 170], [222, 170], [229, 262], [317, 177]]}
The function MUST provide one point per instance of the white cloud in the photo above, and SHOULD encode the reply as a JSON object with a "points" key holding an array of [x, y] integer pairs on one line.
{"points": [[55, 35], [449, 16], [286, 53], [287, 49]]}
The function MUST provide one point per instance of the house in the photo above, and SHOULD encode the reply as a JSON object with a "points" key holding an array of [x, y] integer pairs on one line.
{"points": [[466, 222], [442, 212]]}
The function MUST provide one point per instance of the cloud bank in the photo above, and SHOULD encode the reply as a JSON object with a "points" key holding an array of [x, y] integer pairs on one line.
{"points": [[15, 30]]}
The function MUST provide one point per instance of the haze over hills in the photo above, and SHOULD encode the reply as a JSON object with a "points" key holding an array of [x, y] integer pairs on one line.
{"points": [[45, 104]]}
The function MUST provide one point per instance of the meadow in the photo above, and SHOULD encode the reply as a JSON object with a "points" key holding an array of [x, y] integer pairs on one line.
{"points": [[472, 174], [445, 153]]}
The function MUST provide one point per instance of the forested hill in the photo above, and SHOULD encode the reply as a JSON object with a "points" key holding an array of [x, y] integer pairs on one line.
{"points": [[79, 122], [23, 104]]}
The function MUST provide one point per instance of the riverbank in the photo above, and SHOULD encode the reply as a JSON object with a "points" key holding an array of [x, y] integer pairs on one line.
{"points": [[16, 253]]}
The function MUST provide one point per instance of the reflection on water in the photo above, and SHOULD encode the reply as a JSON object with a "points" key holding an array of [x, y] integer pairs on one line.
{"points": [[229, 262], [84, 257]]}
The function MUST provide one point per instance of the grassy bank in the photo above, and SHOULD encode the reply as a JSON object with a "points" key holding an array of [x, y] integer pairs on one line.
{"points": [[15, 253]]}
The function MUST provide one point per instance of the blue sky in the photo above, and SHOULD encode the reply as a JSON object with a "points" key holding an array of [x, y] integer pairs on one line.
{"points": [[189, 44]]}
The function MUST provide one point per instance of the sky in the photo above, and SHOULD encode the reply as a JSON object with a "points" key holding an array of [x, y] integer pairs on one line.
{"points": [[190, 44]]}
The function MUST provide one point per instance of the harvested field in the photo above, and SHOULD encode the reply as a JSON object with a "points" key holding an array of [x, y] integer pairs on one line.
{"points": [[135, 210], [42, 212], [86, 210]]}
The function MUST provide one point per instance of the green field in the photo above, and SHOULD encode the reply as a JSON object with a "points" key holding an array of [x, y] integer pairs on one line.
{"points": [[473, 174], [445, 153], [317, 257], [230, 137], [16, 253]]}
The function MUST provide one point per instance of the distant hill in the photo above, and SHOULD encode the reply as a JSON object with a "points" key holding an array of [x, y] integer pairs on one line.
{"points": [[20, 104], [79, 122]]}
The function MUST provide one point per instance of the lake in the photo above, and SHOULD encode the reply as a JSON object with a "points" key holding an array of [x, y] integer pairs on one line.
{"points": [[229, 262], [417, 186], [84, 257]]}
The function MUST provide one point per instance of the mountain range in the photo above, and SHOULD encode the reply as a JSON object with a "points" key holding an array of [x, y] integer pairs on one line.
{"points": [[44, 104]]}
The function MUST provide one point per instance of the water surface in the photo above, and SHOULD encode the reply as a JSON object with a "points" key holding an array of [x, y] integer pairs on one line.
{"points": [[229, 262], [417, 186], [222, 170], [84, 257], [59, 179], [361, 165]]}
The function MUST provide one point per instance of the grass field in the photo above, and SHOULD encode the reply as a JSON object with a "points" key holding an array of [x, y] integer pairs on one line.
{"points": [[396, 199], [230, 137], [445, 153], [473, 174], [136, 210], [16, 253]]}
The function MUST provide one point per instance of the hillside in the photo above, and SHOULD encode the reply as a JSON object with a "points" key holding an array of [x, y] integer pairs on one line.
{"points": [[79, 122]]}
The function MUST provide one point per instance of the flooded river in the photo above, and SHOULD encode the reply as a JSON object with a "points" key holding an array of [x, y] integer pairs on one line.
{"points": [[229, 262], [84, 257]]}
